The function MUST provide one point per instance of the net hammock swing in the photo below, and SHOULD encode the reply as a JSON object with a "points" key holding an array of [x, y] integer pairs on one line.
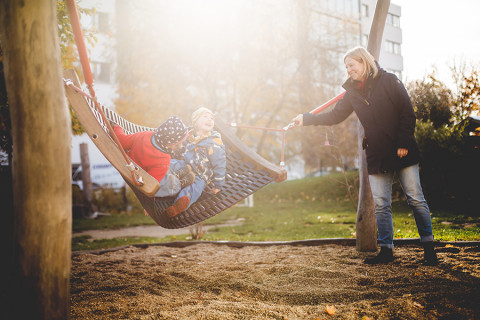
{"points": [[246, 171]]}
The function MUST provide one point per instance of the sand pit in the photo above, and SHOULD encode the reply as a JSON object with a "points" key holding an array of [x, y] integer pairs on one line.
{"points": [[218, 281]]}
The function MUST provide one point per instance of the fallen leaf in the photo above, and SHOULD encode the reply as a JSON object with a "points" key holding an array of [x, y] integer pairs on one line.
{"points": [[418, 305], [330, 310], [366, 318]]}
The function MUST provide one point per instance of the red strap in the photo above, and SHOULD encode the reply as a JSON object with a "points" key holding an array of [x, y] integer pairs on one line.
{"points": [[87, 73], [328, 103], [82, 50]]}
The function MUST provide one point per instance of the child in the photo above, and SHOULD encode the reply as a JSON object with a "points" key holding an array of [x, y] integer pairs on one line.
{"points": [[152, 151], [205, 153]]}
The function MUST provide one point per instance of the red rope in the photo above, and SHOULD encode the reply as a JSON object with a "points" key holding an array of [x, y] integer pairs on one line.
{"points": [[283, 131], [82, 50], [87, 73], [328, 103], [253, 127], [319, 109]]}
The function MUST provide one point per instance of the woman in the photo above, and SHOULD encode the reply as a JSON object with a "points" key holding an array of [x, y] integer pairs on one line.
{"points": [[385, 111]]}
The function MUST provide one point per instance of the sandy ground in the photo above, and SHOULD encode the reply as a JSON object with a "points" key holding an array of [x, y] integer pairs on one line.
{"points": [[224, 281]]}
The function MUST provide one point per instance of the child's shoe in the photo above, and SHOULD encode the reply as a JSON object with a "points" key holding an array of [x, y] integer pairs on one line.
{"points": [[187, 180], [182, 172], [179, 206]]}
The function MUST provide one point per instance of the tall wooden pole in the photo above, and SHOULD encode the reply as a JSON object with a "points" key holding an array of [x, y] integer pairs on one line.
{"points": [[86, 178], [41, 158], [366, 225]]}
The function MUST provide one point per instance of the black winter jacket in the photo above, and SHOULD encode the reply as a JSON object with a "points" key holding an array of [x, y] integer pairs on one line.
{"points": [[386, 113]]}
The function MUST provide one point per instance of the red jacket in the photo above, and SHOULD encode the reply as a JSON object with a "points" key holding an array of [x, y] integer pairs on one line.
{"points": [[140, 149]]}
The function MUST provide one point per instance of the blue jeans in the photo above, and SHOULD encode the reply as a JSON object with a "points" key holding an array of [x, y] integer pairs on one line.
{"points": [[193, 191], [381, 185]]}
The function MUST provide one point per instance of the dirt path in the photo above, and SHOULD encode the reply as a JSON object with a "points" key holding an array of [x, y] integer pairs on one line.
{"points": [[219, 281], [147, 231]]}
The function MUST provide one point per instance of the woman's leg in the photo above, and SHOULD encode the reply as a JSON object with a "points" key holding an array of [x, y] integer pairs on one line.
{"points": [[410, 181], [381, 185]]}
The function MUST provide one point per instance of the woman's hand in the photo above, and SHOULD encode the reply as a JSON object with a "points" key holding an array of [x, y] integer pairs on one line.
{"points": [[401, 152], [298, 120]]}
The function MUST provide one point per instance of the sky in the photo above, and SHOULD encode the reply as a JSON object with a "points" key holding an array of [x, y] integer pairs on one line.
{"points": [[438, 33]]}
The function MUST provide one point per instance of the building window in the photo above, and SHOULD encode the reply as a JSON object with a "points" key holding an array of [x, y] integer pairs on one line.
{"points": [[365, 40], [101, 72], [393, 20], [364, 11], [398, 73], [392, 47], [101, 22]]}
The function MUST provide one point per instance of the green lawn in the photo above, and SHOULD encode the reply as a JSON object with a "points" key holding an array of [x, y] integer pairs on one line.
{"points": [[309, 208]]}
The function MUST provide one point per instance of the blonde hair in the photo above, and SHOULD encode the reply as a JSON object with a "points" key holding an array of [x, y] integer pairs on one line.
{"points": [[361, 55], [199, 112]]}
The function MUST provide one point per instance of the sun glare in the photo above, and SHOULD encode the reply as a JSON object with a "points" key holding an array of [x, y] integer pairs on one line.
{"points": [[207, 21]]}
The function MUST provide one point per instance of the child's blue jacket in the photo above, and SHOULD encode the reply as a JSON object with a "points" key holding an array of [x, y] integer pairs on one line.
{"points": [[208, 159]]}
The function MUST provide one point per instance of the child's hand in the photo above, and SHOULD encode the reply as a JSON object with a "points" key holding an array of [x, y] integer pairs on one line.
{"points": [[215, 190]]}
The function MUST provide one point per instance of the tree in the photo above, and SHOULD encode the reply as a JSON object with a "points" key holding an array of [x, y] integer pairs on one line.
{"points": [[432, 101], [42, 205], [448, 167], [259, 67], [68, 57], [468, 99]]}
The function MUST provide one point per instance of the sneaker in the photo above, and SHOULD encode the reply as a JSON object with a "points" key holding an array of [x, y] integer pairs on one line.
{"points": [[179, 206], [182, 172], [384, 256], [187, 180], [429, 254]]}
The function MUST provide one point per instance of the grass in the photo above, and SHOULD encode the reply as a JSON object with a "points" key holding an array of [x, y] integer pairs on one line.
{"points": [[114, 221], [309, 208]]}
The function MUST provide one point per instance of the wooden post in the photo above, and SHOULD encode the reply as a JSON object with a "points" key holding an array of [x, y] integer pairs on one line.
{"points": [[41, 158], [86, 180], [366, 225]]}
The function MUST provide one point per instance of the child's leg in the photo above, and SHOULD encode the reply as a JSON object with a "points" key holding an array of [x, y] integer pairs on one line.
{"points": [[170, 184], [186, 197], [193, 191], [176, 164]]}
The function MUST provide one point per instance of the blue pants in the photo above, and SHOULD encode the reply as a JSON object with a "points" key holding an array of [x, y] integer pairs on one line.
{"points": [[170, 184], [381, 185], [193, 191]]}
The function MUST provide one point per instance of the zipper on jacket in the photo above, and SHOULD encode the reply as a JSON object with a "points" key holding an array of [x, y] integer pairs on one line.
{"points": [[366, 101]]}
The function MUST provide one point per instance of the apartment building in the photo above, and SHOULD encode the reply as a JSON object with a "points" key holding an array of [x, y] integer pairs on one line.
{"points": [[391, 51]]}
